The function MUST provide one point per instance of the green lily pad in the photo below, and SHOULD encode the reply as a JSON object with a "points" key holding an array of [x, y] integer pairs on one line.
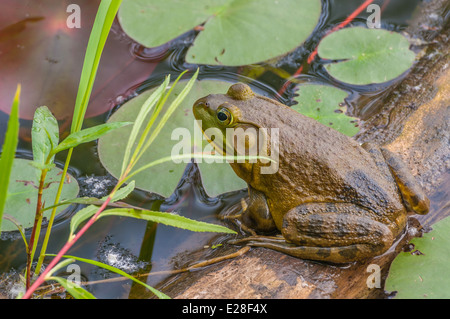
{"points": [[326, 105], [22, 193], [235, 32], [423, 272], [162, 179], [366, 56]]}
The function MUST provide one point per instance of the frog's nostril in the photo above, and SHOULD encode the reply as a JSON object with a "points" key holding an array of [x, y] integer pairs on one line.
{"points": [[202, 104]]}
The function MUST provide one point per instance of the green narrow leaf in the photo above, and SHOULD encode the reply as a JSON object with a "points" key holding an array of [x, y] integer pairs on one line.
{"points": [[9, 151], [44, 136], [167, 219], [19, 227], [87, 212], [173, 106], [145, 109], [120, 272], [105, 17], [87, 135], [76, 291], [119, 195]]}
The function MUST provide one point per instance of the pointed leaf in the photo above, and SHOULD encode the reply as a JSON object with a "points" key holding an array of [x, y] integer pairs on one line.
{"points": [[76, 291], [87, 135], [167, 219], [9, 152], [44, 135], [87, 212]]}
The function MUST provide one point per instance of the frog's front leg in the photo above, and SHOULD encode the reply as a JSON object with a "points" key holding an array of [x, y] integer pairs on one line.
{"points": [[337, 233], [257, 215]]}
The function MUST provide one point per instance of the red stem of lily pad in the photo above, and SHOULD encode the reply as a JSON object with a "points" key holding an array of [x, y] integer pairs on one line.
{"points": [[313, 54]]}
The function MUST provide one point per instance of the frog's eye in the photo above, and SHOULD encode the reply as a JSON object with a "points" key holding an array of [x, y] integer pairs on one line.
{"points": [[224, 116]]}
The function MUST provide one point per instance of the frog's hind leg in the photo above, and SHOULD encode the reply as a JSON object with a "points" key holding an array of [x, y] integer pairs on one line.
{"points": [[394, 169], [412, 193], [337, 233]]}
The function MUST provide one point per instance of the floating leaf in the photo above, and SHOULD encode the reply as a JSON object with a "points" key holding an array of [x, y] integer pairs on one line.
{"points": [[235, 32], [326, 105], [423, 272], [163, 179], [366, 56], [9, 152], [22, 193]]}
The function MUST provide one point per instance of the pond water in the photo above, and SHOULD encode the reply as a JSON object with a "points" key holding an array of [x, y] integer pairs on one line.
{"points": [[134, 245]]}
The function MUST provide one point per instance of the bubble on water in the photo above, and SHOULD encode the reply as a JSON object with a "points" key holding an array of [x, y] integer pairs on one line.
{"points": [[112, 254], [96, 186], [11, 285]]}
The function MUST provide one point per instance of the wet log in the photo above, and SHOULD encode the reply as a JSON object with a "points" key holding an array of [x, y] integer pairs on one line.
{"points": [[414, 123]]}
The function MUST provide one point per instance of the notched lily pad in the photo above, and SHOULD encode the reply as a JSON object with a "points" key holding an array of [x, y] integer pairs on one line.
{"points": [[235, 32], [423, 272], [176, 136], [366, 56], [22, 193], [326, 105]]}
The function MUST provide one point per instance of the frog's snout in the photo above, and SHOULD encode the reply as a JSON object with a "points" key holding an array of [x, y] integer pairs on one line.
{"points": [[200, 107]]}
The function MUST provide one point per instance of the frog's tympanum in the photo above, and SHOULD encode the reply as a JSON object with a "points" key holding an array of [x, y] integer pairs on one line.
{"points": [[332, 199]]}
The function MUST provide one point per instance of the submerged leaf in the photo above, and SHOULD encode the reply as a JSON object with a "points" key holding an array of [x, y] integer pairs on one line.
{"points": [[366, 56]]}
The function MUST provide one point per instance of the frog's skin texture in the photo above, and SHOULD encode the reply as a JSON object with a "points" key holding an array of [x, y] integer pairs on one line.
{"points": [[333, 199]]}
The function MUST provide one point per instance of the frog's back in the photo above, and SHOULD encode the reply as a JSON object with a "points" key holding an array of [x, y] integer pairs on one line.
{"points": [[319, 164]]}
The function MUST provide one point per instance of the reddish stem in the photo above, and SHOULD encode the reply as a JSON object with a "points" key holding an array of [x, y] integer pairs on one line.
{"points": [[37, 218], [313, 54], [63, 250]]}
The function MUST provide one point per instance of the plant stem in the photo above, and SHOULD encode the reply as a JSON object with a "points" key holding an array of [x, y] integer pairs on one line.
{"points": [[37, 225], [63, 250], [52, 216]]}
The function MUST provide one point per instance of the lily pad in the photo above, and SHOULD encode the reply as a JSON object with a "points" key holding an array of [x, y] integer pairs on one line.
{"points": [[235, 32], [326, 105], [22, 193], [176, 134], [423, 272], [366, 56]]}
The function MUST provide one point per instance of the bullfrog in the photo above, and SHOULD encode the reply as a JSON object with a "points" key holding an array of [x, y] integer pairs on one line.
{"points": [[332, 199]]}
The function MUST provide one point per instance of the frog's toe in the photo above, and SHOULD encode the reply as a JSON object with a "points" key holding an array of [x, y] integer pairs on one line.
{"points": [[254, 240]]}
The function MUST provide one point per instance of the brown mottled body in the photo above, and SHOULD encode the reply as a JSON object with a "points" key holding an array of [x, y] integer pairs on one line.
{"points": [[332, 199]]}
